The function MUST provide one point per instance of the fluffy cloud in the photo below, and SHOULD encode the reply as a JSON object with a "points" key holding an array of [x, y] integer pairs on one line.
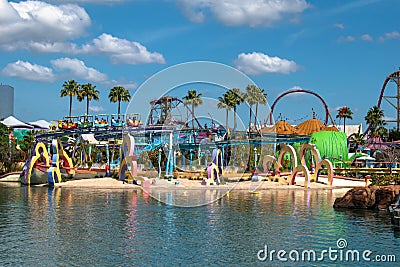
{"points": [[28, 71], [87, 1], [121, 51], [243, 12], [64, 67], [124, 83], [389, 36], [346, 39], [96, 108], [257, 63], [339, 25], [78, 69], [39, 21], [366, 37], [44, 28]]}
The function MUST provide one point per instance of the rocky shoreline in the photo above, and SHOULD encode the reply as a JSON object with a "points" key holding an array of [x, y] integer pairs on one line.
{"points": [[373, 197]]}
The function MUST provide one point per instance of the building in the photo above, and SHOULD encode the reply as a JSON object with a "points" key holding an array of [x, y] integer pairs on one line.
{"points": [[6, 101]]}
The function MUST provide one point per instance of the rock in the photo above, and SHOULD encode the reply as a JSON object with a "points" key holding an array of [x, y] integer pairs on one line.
{"points": [[373, 197]]}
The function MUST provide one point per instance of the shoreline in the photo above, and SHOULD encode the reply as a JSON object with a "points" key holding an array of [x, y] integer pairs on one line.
{"points": [[186, 184]]}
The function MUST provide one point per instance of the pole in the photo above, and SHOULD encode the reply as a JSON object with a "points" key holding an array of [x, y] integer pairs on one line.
{"points": [[159, 163], [255, 158]]}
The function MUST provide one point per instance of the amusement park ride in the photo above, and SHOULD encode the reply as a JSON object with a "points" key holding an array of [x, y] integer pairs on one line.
{"points": [[393, 77], [189, 142]]}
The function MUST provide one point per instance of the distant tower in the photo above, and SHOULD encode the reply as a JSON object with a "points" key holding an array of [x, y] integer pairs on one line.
{"points": [[6, 101]]}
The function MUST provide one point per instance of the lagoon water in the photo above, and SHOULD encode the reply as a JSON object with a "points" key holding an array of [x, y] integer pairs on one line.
{"points": [[96, 227]]}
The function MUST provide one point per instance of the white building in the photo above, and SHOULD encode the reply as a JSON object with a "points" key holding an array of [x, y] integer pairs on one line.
{"points": [[6, 101], [351, 129]]}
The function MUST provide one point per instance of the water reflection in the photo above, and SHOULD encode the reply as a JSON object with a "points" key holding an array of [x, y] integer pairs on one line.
{"points": [[42, 226], [186, 198]]}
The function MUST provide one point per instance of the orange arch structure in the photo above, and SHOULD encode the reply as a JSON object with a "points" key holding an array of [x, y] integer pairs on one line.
{"points": [[314, 151], [305, 171], [212, 174], [127, 157], [271, 159], [319, 163], [329, 166], [292, 152]]}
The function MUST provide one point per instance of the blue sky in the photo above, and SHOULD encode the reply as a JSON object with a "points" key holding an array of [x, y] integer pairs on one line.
{"points": [[342, 50]]}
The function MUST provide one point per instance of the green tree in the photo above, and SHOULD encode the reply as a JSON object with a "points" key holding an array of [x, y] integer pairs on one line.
{"points": [[118, 94], [251, 99], [226, 102], [89, 92], [261, 98], [374, 119], [9, 153], [394, 135], [194, 99], [357, 139], [28, 142], [238, 97], [344, 113], [70, 88]]}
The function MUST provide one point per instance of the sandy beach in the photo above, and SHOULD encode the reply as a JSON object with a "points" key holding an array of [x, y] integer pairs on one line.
{"points": [[182, 183]]}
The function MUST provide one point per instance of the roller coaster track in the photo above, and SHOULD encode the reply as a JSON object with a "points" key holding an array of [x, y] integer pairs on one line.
{"points": [[327, 114], [393, 77]]}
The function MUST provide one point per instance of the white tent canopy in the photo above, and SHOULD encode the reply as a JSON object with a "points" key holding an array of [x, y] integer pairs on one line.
{"points": [[40, 124], [15, 123]]}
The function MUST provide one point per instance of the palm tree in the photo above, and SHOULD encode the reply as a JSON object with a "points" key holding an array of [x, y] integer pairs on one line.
{"points": [[226, 103], [251, 99], [89, 92], [261, 99], [118, 94], [357, 139], [193, 99], [70, 88], [374, 119], [238, 97], [345, 113]]}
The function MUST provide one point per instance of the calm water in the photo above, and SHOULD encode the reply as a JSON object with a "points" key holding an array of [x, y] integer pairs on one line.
{"points": [[80, 227]]}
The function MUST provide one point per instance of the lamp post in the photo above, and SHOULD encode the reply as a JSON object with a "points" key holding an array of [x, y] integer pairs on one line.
{"points": [[255, 158], [254, 176], [159, 162]]}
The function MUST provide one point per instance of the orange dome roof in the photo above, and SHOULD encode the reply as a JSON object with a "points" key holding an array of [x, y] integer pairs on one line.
{"points": [[281, 128], [310, 126], [331, 128]]}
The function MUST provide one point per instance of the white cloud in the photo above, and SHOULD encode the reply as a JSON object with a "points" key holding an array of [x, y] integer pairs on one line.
{"points": [[256, 63], [126, 84], [339, 25], [295, 94], [54, 47], [96, 108], [64, 66], [244, 12], [78, 69], [38, 21], [389, 36], [121, 51], [27, 71], [87, 1], [367, 37], [346, 39]]}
